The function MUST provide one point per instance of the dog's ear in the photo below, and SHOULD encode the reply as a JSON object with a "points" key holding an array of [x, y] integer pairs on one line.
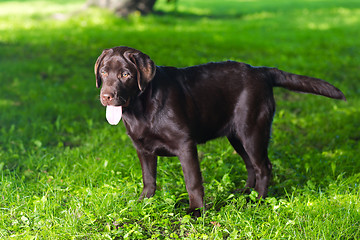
{"points": [[96, 68], [145, 67]]}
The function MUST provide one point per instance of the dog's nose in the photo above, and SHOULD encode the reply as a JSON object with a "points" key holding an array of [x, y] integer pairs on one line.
{"points": [[107, 97]]}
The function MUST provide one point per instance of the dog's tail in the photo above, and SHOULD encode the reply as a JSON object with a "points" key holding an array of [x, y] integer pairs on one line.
{"points": [[304, 84]]}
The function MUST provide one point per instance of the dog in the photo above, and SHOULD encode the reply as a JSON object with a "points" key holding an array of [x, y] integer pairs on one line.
{"points": [[167, 111]]}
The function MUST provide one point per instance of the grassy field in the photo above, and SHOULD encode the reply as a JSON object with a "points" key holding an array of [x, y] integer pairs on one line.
{"points": [[65, 173]]}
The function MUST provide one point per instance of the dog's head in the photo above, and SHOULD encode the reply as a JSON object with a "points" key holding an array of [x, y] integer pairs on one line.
{"points": [[122, 73]]}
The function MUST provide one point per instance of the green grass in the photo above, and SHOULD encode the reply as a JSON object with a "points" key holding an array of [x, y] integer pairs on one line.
{"points": [[67, 174]]}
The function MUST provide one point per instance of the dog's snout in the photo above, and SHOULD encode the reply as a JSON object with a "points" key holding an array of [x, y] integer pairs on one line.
{"points": [[107, 98]]}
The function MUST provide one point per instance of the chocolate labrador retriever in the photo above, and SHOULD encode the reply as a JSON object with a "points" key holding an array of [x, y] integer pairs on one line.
{"points": [[167, 111]]}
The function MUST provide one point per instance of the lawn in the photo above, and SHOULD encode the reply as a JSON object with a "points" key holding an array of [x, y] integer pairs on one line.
{"points": [[65, 173]]}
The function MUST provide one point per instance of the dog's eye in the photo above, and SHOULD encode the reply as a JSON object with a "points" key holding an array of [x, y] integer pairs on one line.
{"points": [[104, 73], [125, 74]]}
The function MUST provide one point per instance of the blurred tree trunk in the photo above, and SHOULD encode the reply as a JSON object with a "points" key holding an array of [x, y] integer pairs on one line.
{"points": [[124, 7]]}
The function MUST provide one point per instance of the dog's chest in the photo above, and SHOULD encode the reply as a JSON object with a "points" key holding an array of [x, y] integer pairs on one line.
{"points": [[155, 139]]}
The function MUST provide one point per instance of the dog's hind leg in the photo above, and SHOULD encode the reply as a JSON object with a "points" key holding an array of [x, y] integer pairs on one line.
{"points": [[255, 143], [250, 137], [237, 145]]}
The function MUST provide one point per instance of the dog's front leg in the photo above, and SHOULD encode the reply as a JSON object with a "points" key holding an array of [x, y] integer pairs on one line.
{"points": [[191, 168], [148, 167]]}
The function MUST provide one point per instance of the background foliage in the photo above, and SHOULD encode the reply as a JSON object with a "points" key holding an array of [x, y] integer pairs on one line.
{"points": [[66, 173]]}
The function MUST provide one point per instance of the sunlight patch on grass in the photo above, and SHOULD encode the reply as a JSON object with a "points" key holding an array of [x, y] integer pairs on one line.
{"points": [[349, 16], [7, 102], [25, 16], [259, 16], [194, 10], [16, 9], [318, 26], [322, 20]]}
